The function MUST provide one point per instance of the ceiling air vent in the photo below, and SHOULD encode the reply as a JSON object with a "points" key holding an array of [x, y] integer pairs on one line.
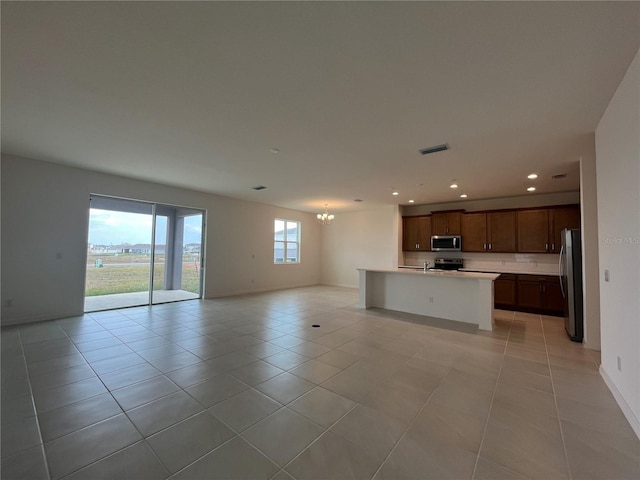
{"points": [[259, 187], [558, 176], [434, 149]]}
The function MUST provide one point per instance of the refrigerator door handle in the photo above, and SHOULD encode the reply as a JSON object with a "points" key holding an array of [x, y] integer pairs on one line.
{"points": [[560, 270]]}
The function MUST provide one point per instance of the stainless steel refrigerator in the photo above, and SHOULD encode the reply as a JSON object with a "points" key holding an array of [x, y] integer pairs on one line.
{"points": [[570, 271]]}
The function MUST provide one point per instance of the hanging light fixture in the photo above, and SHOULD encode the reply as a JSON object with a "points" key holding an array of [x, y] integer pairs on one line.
{"points": [[325, 218]]}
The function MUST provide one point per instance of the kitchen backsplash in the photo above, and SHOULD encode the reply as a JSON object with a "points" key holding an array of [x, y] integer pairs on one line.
{"points": [[536, 263]]}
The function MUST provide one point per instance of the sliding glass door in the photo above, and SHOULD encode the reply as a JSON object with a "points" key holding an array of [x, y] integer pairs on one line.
{"points": [[142, 253], [177, 254]]}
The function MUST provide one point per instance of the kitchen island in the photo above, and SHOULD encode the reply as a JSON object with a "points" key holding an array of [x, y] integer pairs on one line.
{"points": [[452, 295]]}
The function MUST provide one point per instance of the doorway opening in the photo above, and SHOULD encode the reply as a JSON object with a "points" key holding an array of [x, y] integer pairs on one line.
{"points": [[142, 253]]}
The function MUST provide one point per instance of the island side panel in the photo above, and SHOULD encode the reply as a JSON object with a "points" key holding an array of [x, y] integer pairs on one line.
{"points": [[460, 299], [485, 304]]}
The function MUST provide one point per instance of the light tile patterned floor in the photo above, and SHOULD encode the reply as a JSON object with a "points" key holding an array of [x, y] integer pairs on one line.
{"points": [[246, 388]]}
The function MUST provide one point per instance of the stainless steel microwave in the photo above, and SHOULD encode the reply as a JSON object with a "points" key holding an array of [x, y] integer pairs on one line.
{"points": [[446, 243]]}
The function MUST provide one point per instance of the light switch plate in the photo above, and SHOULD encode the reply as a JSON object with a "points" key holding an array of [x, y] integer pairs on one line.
{"points": [[606, 275]]}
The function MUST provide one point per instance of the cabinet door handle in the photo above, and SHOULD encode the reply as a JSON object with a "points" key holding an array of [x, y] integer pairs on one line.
{"points": [[417, 246], [484, 246], [490, 246], [553, 247], [546, 246]]}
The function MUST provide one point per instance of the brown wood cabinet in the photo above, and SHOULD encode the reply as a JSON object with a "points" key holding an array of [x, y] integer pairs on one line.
{"points": [[489, 232], [504, 291], [416, 233], [539, 229], [533, 230], [474, 232], [539, 294], [552, 299], [446, 223], [529, 292], [559, 219]]}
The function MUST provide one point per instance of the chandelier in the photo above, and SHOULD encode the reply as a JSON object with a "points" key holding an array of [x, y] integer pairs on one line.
{"points": [[325, 218]]}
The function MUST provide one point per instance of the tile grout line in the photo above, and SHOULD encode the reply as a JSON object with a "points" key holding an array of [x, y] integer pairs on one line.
{"points": [[411, 423], [555, 401], [142, 437], [493, 394], [338, 420], [35, 409], [308, 446]]}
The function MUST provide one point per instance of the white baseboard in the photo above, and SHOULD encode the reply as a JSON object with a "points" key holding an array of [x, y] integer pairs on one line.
{"points": [[624, 406], [591, 346], [343, 285]]}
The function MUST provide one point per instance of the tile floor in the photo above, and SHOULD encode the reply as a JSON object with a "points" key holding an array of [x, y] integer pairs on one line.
{"points": [[246, 388]]}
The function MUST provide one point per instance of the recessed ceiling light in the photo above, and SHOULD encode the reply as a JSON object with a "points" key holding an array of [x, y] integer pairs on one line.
{"points": [[453, 185], [358, 200], [411, 201], [259, 187], [532, 176], [395, 193], [275, 151], [464, 195], [531, 189]]}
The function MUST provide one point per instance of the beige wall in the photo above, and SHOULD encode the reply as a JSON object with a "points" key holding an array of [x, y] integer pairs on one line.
{"points": [[618, 179], [45, 214], [363, 239], [590, 256], [523, 201]]}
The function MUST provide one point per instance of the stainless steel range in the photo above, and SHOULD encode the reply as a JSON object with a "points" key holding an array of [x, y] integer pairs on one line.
{"points": [[448, 263]]}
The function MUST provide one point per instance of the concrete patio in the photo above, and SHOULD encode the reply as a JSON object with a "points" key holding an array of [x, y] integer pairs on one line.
{"points": [[134, 299]]}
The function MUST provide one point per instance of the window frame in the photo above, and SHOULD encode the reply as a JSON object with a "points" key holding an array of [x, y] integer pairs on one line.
{"points": [[284, 242]]}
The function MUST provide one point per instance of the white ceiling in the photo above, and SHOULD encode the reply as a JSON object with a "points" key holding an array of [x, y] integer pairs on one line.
{"points": [[196, 94]]}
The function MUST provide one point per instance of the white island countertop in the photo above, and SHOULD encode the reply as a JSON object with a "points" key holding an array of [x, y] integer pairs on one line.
{"points": [[446, 273], [449, 294]]}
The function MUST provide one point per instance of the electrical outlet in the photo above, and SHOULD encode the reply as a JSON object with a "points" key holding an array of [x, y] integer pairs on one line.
{"points": [[619, 364], [606, 275], [430, 299]]}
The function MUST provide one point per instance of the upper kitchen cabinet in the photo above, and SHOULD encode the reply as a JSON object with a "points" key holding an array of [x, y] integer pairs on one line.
{"points": [[539, 229], [446, 223], [559, 219], [533, 230], [474, 232], [489, 232], [416, 234]]}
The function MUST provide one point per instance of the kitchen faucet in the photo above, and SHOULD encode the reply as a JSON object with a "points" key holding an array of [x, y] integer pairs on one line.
{"points": [[426, 265]]}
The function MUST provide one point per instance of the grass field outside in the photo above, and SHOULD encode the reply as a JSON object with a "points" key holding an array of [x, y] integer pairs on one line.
{"points": [[127, 273]]}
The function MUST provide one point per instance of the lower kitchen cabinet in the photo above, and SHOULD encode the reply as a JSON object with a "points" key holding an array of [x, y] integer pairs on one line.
{"points": [[529, 293], [552, 298], [504, 291]]}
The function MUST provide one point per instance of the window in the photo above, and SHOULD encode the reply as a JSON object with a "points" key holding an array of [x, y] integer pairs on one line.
{"points": [[286, 244]]}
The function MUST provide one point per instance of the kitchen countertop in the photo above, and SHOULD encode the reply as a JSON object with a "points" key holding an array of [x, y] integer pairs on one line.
{"points": [[514, 272], [444, 273]]}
